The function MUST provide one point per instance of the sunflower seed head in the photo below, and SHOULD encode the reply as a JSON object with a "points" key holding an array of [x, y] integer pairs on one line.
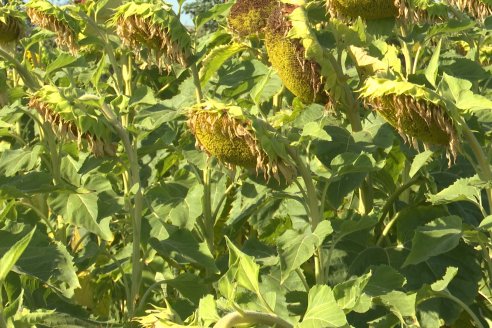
{"points": [[367, 9], [249, 17], [146, 26], [232, 140], [45, 15], [299, 75], [11, 26], [64, 122], [418, 119]]}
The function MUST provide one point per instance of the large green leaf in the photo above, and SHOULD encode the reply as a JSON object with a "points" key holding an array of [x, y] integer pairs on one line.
{"points": [[43, 259], [8, 260], [436, 237], [295, 247], [182, 247], [216, 58], [14, 161], [323, 310], [80, 209]]}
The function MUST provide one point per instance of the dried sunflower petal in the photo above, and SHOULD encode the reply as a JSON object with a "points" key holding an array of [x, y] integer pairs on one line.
{"points": [[414, 111], [55, 19], [299, 75], [73, 119], [237, 140], [476, 8], [155, 28], [248, 17]]}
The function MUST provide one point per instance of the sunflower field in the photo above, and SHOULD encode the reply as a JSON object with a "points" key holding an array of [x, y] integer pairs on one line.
{"points": [[279, 163]]}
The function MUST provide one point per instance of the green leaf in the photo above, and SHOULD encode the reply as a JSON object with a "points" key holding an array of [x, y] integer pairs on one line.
{"points": [[45, 260], [443, 283], [182, 247], [486, 223], [207, 311], [9, 259], [294, 249], [383, 280], [63, 60], [268, 85], [349, 293], [432, 69], [322, 310], [436, 237], [216, 58], [80, 210], [315, 131], [400, 303], [461, 190], [246, 271], [14, 161], [420, 161]]}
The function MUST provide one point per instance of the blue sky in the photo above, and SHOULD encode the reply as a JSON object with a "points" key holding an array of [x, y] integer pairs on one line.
{"points": [[185, 19]]}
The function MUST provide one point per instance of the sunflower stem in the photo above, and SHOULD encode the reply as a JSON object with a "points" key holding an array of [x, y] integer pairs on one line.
{"points": [[207, 208], [26, 76], [314, 210], [196, 82], [136, 211], [485, 173]]}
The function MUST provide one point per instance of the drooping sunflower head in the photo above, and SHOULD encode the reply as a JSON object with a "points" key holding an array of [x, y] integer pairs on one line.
{"points": [[248, 17], [156, 28], [478, 9], [235, 139], [55, 19], [367, 9], [73, 119], [414, 111], [287, 56], [11, 25]]}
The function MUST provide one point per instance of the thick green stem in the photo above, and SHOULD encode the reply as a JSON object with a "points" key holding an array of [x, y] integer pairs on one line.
{"points": [[208, 218], [314, 209], [485, 173], [251, 317], [136, 211], [27, 77], [54, 155], [465, 307], [196, 82]]}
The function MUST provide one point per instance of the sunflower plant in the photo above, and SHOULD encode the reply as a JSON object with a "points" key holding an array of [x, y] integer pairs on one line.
{"points": [[263, 163]]}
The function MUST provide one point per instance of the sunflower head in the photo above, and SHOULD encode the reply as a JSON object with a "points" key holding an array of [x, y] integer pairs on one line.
{"points": [[55, 19], [154, 28], [11, 25], [287, 56], [235, 139], [74, 119], [414, 111], [249, 17], [367, 9]]}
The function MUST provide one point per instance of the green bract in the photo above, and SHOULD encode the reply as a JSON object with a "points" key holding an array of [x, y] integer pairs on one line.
{"points": [[73, 119], [367, 9], [55, 19], [155, 27], [248, 17], [235, 139], [287, 56], [11, 25], [416, 112]]}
